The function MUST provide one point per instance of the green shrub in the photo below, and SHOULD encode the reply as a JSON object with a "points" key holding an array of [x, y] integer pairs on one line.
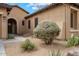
{"points": [[73, 41], [55, 53], [10, 36], [27, 45], [47, 31]]}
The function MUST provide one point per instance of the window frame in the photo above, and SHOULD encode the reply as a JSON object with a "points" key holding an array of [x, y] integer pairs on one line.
{"points": [[29, 24], [36, 21], [73, 21], [23, 23]]}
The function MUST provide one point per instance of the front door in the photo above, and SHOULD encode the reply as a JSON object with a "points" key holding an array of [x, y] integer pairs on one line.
{"points": [[12, 27]]}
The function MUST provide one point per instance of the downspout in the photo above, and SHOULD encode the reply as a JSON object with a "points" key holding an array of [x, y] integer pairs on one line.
{"points": [[65, 21]]}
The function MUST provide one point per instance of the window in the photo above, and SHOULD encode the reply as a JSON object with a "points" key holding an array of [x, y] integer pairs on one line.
{"points": [[73, 19], [23, 22], [36, 22], [29, 24], [0, 14]]}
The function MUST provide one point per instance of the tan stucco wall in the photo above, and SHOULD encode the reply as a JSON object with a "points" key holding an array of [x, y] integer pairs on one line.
{"points": [[3, 23], [15, 13], [68, 19], [56, 15], [60, 15], [18, 15]]}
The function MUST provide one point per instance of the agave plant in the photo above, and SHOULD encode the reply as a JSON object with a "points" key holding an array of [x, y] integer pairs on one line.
{"points": [[55, 53]]}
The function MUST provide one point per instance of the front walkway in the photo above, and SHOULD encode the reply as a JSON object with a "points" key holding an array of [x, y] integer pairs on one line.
{"points": [[15, 40], [2, 49]]}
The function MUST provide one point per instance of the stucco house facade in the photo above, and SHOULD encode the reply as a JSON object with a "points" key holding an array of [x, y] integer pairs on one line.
{"points": [[15, 20], [11, 20], [65, 15]]}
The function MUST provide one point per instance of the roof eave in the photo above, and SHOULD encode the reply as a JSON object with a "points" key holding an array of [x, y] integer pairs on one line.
{"points": [[39, 11], [57, 4]]}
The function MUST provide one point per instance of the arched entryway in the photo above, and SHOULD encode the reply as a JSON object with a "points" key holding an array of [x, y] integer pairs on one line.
{"points": [[12, 26]]}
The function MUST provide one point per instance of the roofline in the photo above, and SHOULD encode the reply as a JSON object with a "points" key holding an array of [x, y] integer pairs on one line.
{"points": [[41, 10], [11, 6], [6, 5], [21, 8], [53, 5]]}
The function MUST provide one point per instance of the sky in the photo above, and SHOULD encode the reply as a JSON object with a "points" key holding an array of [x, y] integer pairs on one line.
{"points": [[31, 7]]}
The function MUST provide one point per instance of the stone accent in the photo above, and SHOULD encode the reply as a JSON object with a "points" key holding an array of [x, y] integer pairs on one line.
{"points": [[74, 52]]}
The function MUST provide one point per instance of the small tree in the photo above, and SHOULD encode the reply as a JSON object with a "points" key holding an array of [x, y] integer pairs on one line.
{"points": [[47, 31]]}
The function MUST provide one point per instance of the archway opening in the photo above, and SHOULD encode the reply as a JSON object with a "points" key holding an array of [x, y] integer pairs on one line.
{"points": [[12, 26]]}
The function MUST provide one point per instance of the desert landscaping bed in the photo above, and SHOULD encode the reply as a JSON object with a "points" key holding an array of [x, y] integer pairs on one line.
{"points": [[14, 49]]}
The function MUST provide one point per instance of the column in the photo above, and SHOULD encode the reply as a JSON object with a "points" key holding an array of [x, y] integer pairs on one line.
{"points": [[4, 27]]}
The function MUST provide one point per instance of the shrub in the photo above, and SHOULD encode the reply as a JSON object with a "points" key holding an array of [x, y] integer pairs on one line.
{"points": [[27, 45], [47, 31], [73, 41], [10, 36], [56, 53]]}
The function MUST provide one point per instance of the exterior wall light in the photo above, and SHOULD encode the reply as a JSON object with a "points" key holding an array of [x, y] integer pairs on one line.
{"points": [[4, 17]]}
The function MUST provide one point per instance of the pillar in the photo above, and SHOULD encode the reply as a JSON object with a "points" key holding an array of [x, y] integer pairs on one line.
{"points": [[4, 27]]}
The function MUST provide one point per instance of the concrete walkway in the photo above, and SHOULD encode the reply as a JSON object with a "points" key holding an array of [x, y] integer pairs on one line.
{"points": [[2, 49], [15, 40]]}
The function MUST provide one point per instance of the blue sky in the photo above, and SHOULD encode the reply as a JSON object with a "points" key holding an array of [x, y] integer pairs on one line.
{"points": [[27, 7], [32, 7]]}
